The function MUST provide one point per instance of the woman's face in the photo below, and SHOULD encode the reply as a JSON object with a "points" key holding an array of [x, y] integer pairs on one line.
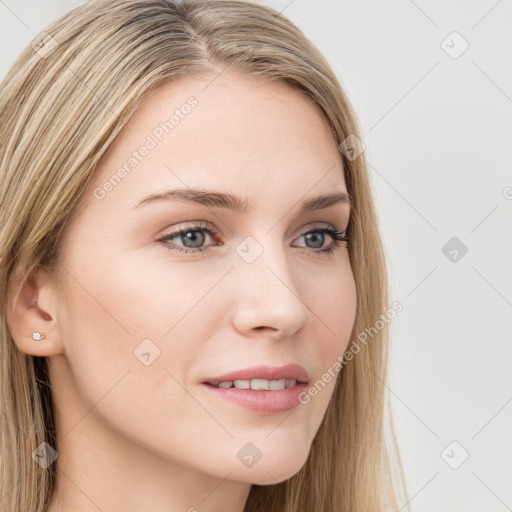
{"points": [[145, 321]]}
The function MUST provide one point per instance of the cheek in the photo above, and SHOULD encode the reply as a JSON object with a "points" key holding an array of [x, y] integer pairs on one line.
{"points": [[125, 372], [336, 306], [125, 315]]}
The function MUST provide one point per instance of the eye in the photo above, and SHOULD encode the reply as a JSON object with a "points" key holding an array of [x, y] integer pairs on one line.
{"points": [[193, 238], [317, 238]]}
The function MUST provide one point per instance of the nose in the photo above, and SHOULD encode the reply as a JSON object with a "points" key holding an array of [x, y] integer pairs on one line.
{"points": [[267, 297]]}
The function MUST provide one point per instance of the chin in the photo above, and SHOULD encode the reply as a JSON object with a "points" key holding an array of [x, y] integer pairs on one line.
{"points": [[271, 472], [275, 477]]}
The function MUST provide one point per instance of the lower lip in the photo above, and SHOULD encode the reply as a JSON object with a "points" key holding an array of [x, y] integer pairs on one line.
{"points": [[260, 400]]}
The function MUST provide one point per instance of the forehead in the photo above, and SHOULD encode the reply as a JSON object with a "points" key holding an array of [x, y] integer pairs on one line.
{"points": [[232, 132]]}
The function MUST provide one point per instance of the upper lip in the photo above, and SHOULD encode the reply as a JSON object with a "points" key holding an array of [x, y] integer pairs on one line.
{"points": [[289, 371]]}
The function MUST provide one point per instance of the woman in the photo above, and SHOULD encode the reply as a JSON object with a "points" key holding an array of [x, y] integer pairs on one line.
{"points": [[189, 251]]}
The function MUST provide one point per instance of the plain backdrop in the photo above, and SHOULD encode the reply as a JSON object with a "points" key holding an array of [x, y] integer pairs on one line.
{"points": [[431, 83]]}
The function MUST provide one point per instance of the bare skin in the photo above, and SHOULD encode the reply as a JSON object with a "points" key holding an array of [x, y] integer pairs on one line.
{"points": [[134, 437]]}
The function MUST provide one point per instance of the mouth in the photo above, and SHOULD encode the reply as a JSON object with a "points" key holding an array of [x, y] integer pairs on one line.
{"points": [[265, 390]]}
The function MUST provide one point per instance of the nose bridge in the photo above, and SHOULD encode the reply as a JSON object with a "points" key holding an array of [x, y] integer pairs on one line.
{"points": [[266, 292]]}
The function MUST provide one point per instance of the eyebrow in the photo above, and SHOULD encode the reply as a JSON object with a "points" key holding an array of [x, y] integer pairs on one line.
{"points": [[212, 198]]}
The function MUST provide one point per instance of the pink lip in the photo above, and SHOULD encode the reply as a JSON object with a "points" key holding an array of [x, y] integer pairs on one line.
{"points": [[262, 401], [289, 371], [259, 400]]}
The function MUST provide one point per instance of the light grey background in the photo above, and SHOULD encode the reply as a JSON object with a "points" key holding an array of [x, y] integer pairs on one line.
{"points": [[438, 135]]}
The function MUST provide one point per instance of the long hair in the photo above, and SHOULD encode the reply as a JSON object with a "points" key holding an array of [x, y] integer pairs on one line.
{"points": [[62, 104]]}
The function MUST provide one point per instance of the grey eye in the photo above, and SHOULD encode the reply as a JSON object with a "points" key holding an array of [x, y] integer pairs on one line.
{"points": [[192, 238], [316, 237]]}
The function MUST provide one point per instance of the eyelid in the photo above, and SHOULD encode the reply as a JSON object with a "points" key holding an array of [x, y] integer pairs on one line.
{"points": [[202, 224]]}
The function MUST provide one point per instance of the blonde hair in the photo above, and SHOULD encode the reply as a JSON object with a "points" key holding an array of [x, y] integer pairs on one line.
{"points": [[62, 104]]}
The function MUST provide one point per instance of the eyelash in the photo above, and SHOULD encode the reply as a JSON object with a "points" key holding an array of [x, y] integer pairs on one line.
{"points": [[337, 236]]}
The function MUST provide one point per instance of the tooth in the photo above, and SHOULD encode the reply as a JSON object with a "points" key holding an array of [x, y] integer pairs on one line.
{"points": [[259, 384], [277, 384], [290, 383], [242, 384]]}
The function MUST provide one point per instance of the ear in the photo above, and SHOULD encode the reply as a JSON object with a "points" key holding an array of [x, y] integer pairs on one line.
{"points": [[34, 308]]}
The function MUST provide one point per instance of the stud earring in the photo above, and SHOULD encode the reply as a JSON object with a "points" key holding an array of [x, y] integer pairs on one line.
{"points": [[38, 336]]}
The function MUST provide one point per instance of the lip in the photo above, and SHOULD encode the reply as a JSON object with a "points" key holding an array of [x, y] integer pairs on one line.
{"points": [[289, 371], [264, 402], [261, 401]]}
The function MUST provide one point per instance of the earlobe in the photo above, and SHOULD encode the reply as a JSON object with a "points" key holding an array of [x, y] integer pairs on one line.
{"points": [[31, 313]]}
